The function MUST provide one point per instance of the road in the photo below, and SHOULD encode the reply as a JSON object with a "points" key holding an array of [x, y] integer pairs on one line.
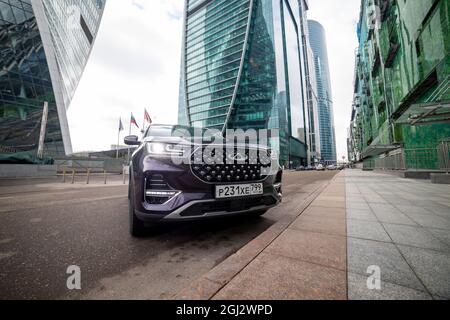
{"points": [[46, 226]]}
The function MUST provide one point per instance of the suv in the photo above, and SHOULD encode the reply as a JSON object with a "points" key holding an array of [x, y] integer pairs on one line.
{"points": [[174, 177]]}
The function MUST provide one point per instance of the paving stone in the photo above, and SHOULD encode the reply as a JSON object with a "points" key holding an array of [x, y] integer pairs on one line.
{"points": [[389, 214], [334, 226], [358, 214], [423, 203], [414, 236], [358, 205], [374, 199], [408, 209], [380, 208], [319, 248], [325, 212], [439, 298], [357, 199], [365, 253], [441, 234], [431, 221], [271, 277], [330, 198], [357, 290], [397, 200], [329, 204], [366, 230], [202, 289], [432, 267], [440, 210]]}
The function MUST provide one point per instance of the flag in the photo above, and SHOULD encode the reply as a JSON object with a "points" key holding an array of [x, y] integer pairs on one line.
{"points": [[147, 117], [133, 121], [120, 125]]}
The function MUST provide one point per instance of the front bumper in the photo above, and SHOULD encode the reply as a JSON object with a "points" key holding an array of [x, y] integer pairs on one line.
{"points": [[204, 209], [195, 200]]}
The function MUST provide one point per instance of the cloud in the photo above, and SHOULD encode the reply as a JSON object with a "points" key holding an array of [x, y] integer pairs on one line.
{"points": [[134, 65], [138, 5]]}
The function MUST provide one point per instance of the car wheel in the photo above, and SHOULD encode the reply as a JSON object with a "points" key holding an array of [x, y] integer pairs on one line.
{"points": [[137, 227]]}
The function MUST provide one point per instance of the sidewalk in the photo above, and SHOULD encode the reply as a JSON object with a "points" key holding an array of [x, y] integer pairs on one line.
{"points": [[360, 220], [402, 226]]}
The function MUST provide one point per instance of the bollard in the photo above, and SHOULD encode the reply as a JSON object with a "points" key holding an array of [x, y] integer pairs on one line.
{"points": [[88, 175], [73, 176], [64, 175], [104, 171], [124, 177]]}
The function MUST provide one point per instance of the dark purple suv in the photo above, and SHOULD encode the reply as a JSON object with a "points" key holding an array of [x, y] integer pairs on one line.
{"points": [[177, 174]]}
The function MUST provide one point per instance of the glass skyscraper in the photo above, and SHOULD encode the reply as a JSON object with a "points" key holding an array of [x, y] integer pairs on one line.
{"points": [[324, 95], [243, 67], [44, 47]]}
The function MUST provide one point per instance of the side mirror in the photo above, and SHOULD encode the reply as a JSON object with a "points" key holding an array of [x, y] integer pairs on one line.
{"points": [[132, 141]]}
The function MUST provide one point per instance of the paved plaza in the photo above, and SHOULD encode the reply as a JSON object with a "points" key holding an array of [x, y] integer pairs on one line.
{"points": [[365, 235]]}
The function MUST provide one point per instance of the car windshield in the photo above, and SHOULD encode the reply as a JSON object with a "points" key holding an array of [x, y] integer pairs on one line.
{"points": [[180, 131]]}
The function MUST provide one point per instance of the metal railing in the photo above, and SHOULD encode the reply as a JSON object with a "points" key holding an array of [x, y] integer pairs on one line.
{"points": [[421, 159], [444, 155], [75, 169], [71, 175], [5, 149], [394, 161], [436, 159]]}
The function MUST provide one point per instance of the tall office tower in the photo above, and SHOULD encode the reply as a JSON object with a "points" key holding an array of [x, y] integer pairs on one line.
{"points": [[44, 47], [244, 67], [324, 96]]}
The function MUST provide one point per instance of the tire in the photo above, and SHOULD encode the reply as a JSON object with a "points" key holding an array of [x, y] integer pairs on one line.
{"points": [[137, 227]]}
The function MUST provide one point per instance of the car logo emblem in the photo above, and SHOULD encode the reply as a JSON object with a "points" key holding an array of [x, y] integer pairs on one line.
{"points": [[237, 157]]}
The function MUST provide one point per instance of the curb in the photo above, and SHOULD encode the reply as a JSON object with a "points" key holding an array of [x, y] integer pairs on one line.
{"points": [[206, 287]]}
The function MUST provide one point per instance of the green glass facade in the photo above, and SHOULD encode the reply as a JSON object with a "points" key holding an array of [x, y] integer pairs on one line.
{"points": [[402, 84], [44, 47], [242, 68], [25, 83]]}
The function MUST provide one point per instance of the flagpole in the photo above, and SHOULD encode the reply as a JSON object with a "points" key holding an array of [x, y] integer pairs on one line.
{"points": [[129, 146], [118, 142]]}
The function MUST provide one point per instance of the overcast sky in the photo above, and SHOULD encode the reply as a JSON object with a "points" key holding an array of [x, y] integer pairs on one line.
{"points": [[135, 64]]}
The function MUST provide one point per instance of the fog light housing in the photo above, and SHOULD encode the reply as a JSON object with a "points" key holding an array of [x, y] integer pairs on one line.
{"points": [[278, 188], [157, 197]]}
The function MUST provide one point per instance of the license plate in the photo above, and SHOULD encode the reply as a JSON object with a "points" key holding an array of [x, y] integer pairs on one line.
{"points": [[239, 190]]}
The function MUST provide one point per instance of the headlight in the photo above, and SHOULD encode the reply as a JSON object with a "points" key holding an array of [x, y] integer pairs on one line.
{"points": [[165, 149]]}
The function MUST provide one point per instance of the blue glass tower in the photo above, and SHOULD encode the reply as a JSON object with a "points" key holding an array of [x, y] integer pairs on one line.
{"points": [[243, 68], [324, 95]]}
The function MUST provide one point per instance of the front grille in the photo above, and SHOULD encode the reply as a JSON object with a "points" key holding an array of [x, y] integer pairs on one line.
{"points": [[200, 209], [221, 166]]}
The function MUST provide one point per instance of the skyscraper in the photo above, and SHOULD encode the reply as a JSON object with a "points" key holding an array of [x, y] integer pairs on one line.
{"points": [[324, 95], [44, 47], [244, 67]]}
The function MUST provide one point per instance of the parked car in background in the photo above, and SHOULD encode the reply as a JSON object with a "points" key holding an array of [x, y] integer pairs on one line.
{"points": [[301, 168], [320, 167]]}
